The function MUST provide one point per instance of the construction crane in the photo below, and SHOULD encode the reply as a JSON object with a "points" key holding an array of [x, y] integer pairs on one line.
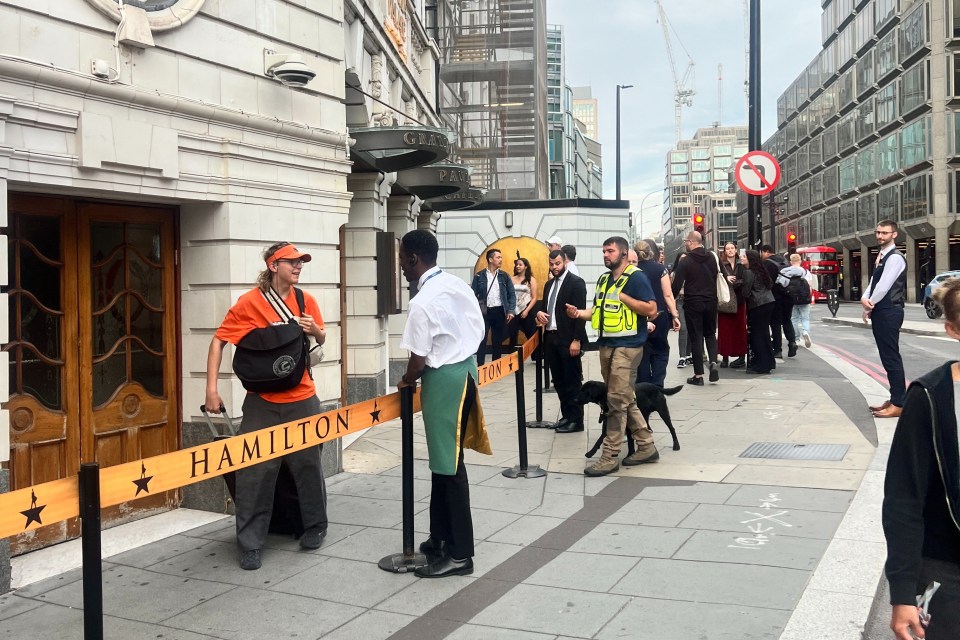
{"points": [[683, 88], [719, 94]]}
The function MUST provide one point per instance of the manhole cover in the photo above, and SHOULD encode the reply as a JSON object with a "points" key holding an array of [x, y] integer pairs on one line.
{"points": [[796, 451]]}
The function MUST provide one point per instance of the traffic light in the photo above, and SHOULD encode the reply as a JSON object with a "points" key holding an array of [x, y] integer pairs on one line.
{"points": [[791, 243], [698, 225]]}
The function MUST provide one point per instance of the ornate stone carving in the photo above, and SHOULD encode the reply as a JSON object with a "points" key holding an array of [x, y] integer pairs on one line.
{"points": [[376, 75]]}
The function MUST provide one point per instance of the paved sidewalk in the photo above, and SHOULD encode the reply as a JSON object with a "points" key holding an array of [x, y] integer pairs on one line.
{"points": [[703, 544], [920, 328]]}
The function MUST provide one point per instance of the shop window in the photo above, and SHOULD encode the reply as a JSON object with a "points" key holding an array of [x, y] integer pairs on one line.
{"points": [[913, 87], [867, 212], [886, 54], [848, 176], [888, 156], [847, 214], [914, 196], [913, 143], [886, 105]]}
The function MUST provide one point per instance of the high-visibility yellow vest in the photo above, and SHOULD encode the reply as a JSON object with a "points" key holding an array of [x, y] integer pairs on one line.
{"points": [[611, 318]]}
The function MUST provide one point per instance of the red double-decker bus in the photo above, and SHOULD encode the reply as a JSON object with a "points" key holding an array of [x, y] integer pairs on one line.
{"points": [[821, 262]]}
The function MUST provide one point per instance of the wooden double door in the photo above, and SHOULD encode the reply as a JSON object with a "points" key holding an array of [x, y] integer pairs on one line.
{"points": [[92, 344]]}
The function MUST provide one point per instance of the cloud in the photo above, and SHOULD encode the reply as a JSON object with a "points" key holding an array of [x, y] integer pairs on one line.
{"points": [[620, 42]]}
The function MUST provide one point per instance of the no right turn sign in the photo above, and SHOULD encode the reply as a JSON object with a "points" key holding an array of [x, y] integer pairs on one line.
{"points": [[757, 173]]}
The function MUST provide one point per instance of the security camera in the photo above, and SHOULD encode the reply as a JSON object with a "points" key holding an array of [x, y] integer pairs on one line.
{"points": [[288, 68]]}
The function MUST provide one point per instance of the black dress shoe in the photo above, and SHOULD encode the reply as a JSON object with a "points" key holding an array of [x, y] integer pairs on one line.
{"points": [[778, 354], [792, 350], [695, 381], [445, 566], [739, 363], [560, 423], [570, 427], [432, 547]]}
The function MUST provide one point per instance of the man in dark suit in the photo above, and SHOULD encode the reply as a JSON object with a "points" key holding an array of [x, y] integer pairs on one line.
{"points": [[564, 339]]}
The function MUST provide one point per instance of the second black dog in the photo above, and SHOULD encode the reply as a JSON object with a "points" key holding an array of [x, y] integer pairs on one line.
{"points": [[650, 398]]}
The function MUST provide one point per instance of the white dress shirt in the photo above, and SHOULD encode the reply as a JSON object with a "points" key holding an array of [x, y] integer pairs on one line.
{"points": [[557, 283], [891, 271], [444, 323], [572, 267]]}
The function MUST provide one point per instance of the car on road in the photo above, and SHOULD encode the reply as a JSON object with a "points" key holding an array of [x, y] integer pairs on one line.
{"points": [[932, 308]]}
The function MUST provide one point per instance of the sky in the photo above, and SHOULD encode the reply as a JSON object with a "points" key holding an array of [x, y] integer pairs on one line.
{"points": [[611, 42]]}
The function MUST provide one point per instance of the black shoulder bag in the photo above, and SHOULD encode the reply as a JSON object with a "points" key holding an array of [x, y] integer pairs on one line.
{"points": [[273, 358]]}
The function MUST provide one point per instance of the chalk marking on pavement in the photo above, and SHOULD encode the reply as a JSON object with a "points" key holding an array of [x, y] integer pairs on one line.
{"points": [[762, 524]]}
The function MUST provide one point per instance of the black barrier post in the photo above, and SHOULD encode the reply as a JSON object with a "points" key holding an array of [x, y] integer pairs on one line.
{"points": [[90, 545], [539, 422], [408, 560], [523, 469]]}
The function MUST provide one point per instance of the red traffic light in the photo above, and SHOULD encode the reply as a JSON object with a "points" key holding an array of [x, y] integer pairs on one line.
{"points": [[697, 219], [791, 237]]}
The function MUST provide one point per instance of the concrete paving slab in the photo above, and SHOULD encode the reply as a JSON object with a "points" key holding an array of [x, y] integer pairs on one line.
{"points": [[39, 587], [369, 512], [148, 595], [376, 487], [479, 632], [525, 530], [515, 500], [219, 561], [490, 554], [276, 615], [701, 492], [633, 541], [794, 522], [583, 571], [652, 513], [13, 604], [422, 595], [357, 583], [679, 471], [714, 582], [671, 620], [792, 498], [367, 545], [160, 551], [552, 611], [780, 551], [844, 621], [558, 505], [850, 562], [372, 625], [848, 479], [68, 625]]}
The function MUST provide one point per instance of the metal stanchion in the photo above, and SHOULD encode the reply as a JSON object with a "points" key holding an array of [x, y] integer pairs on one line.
{"points": [[408, 560], [89, 481], [523, 469], [539, 423]]}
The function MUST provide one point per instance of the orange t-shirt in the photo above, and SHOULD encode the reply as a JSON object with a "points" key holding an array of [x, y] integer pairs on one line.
{"points": [[252, 311]]}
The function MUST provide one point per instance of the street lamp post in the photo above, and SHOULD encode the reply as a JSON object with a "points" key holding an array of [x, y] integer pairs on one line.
{"points": [[638, 227], [619, 87]]}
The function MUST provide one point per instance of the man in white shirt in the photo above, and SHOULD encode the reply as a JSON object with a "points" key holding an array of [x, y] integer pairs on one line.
{"points": [[443, 324], [495, 289], [883, 302], [570, 255]]}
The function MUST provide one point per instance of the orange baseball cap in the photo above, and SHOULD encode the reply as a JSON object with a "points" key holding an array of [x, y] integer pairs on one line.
{"points": [[289, 252]]}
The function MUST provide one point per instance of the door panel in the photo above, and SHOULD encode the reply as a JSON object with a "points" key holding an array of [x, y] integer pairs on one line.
{"points": [[93, 370]]}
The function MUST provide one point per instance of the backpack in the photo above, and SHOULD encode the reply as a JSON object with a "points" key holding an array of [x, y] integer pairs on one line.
{"points": [[273, 358], [798, 291]]}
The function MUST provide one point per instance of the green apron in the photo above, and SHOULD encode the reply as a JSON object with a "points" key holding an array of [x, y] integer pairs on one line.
{"points": [[441, 401]]}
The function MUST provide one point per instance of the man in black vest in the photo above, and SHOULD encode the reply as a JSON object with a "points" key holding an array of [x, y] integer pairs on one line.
{"points": [[564, 339], [883, 307]]}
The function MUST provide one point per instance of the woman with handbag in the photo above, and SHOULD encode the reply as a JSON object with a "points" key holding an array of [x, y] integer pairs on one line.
{"points": [[756, 289], [732, 318]]}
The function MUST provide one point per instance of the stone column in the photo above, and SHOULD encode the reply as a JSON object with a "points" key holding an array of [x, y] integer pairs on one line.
{"points": [[402, 213], [366, 357], [865, 271], [847, 272], [910, 254], [941, 236]]}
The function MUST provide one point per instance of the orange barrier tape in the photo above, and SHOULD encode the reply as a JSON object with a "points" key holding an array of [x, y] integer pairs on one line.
{"points": [[51, 502]]}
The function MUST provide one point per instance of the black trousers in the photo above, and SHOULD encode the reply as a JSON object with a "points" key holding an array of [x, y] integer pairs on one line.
{"points": [[944, 613], [255, 485], [701, 319], [450, 519], [781, 324], [758, 320], [656, 353], [495, 323], [567, 375], [528, 325], [886, 325]]}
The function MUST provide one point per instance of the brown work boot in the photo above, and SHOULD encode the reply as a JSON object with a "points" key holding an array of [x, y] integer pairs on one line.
{"points": [[641, 457], [602, 467]]}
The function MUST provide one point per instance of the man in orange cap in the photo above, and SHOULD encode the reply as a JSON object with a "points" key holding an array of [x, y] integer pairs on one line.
{"points": [[275, 300]]}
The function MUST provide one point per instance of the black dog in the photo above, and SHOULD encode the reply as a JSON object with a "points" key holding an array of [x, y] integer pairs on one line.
{"points": [[650, 398]]}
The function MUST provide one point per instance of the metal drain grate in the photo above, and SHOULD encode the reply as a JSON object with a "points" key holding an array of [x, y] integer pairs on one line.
{"points": [[796, 451]]}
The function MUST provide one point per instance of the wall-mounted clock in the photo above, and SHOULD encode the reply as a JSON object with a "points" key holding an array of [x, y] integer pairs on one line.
{"points": [[162, 14]]}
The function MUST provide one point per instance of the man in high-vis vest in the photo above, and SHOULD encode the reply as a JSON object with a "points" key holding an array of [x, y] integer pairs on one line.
{"points": [[622, 303]]}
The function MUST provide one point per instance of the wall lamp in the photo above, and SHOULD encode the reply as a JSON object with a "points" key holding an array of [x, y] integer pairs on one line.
{"points": [[508, 219]]}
